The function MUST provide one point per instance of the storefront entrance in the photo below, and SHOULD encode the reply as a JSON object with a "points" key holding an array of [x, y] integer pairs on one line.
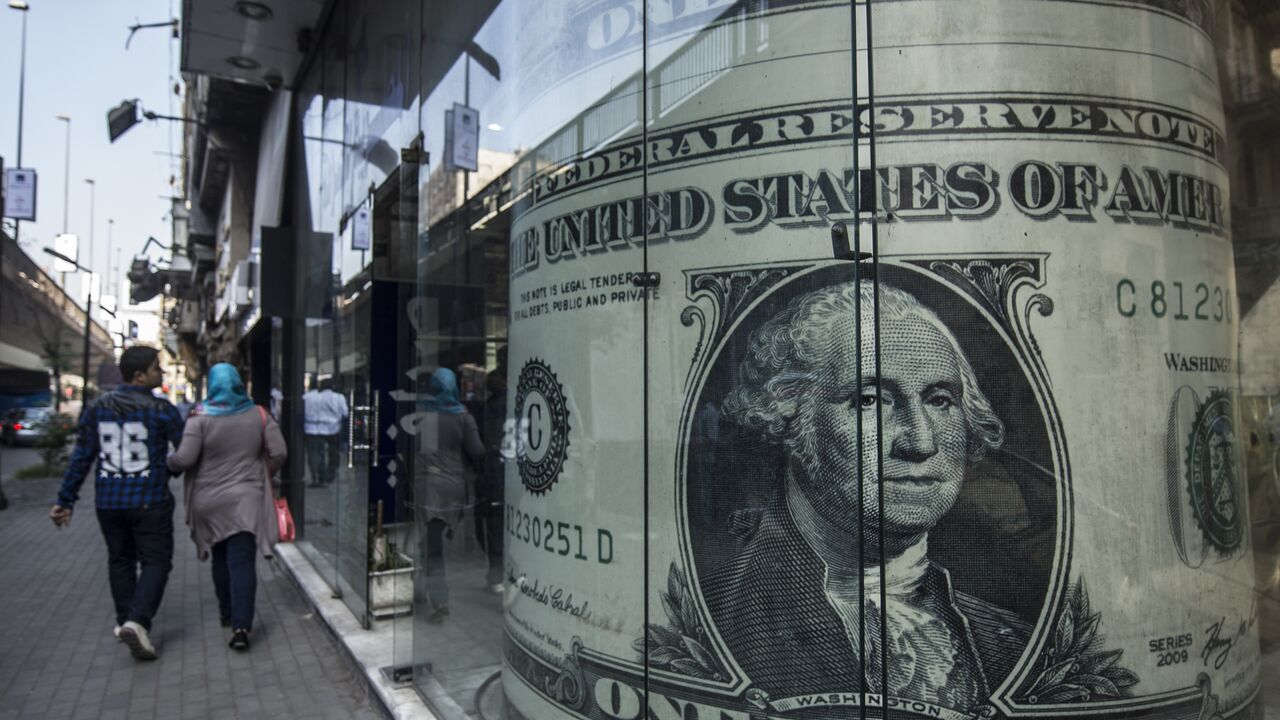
{"points": [[772, 346]]}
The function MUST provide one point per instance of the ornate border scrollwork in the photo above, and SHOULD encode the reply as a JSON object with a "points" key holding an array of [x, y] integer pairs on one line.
{"points": [[996, 283], [569, 687], [730, 293], [989, 281]]}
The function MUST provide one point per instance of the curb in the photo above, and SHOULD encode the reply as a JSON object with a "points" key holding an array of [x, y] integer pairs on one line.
{"points": [[359, 645]]}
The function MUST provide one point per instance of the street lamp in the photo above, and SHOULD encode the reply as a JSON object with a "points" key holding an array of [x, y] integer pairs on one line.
{"points": [[66, 187], [112, 269], [88, 322], [93, 186], [125, 115], [114, 317], [21, 7], [66, 174]]}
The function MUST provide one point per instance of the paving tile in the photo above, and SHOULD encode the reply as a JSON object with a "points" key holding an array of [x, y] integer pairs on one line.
{"points": [[61, 661]]}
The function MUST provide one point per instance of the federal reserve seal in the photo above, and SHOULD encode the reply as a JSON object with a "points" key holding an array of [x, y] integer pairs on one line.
{"points": [[543, 441], [1211, 474]]}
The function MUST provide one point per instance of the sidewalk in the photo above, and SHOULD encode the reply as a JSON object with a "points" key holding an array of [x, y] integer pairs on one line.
{"points": [[59, 659]]}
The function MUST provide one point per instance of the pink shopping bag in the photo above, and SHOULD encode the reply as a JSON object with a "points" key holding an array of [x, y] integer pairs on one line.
{"points": [[285, 520]]}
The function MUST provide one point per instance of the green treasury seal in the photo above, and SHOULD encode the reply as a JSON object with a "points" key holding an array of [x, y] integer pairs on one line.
{"points": [[543, 419], [1211, 474]]}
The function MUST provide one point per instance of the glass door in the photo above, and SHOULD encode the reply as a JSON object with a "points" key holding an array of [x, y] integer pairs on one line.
{"points": [[349, 493], [394, 544], [324, 408], [337, 414]]}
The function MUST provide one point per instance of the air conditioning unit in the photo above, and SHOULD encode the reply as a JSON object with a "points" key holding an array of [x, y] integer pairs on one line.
{"points": [[235, 296], [188, 317]]}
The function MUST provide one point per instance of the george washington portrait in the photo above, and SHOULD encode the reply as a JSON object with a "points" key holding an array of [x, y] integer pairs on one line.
{"points": [[799, 602]]}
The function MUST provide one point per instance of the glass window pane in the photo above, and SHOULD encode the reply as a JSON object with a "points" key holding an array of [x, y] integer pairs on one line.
{"points": [[845, 355], [1060, 492], [751, 172], [536, 558]]}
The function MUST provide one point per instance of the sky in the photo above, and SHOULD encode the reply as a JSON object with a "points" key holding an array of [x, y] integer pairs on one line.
{"points": [[77, 65]]}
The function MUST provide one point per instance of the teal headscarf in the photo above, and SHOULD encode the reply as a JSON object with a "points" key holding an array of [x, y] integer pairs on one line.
{"points": [[442, 393], [226, 392]]}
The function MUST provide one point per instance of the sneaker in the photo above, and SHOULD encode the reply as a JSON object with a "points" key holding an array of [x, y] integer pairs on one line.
{"points": [[116, 632], [497, 588], [139, 642], [239, 640]]}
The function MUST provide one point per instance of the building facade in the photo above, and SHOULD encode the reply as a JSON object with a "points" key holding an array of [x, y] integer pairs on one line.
{"points": [[827, 358]]}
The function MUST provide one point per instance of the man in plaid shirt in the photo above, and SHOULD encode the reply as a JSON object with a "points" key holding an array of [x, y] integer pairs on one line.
{"points": [[128, 432]]}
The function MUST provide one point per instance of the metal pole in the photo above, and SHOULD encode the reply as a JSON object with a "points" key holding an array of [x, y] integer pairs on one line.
{"points": [[22, 93], [22, 83], [111, 268], [66, 172], [93, 187], [88, 310], [466, 174], [66, 188]]}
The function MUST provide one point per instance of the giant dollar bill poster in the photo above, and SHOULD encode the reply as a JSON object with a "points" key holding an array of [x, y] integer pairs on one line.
{"points": [[989, 471]]}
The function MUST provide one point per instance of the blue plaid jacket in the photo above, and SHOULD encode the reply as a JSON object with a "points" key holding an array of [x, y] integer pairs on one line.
{"points": [[128, 432]]}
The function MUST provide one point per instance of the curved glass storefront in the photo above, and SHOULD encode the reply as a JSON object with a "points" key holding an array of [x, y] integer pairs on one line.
{"points": [[812, 359]]}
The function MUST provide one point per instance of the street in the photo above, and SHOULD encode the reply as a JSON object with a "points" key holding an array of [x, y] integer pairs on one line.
{"points": [[61, 661]]}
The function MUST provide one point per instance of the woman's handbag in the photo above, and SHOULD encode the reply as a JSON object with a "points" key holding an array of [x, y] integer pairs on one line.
{"points": [[285, 520]]}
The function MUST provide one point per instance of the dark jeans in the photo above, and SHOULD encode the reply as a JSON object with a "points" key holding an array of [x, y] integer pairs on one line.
{"points": [[322, 458], [437, 584], [235, 578], [489, 532], [490, 512], [138, 536]]}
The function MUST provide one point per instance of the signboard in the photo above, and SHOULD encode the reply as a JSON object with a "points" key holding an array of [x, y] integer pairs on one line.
{"points": [[90, 286], [462, 141], [20, 193], [361, 228], [67, 245], [994, 474]]}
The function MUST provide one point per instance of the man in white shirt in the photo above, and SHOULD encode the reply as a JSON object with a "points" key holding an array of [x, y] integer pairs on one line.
{"points": [[323, 414]]}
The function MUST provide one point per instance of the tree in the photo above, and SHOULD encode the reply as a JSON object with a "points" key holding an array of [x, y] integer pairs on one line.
{"points": [[53, 349]]}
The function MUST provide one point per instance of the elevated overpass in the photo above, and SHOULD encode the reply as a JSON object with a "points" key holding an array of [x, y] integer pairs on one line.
{"points": [[38, 319]]}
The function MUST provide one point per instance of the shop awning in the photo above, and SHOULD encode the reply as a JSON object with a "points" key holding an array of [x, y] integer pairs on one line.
{"points": [[259, 41]]}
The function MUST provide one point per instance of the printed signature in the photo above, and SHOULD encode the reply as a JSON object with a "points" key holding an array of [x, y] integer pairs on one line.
{"points": [[1217, 647]]}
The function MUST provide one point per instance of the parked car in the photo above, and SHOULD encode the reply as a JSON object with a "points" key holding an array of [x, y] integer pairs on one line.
{"points": [[7, 421], [23, 425]]}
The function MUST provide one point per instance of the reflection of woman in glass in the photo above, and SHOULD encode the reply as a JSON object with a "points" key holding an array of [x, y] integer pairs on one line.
{"points": [[448, 442]]}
